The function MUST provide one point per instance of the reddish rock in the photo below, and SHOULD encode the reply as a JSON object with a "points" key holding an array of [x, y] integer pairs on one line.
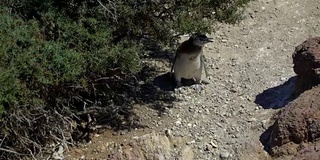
{"points": [[309, 152], [306, 60], [297, 123]]}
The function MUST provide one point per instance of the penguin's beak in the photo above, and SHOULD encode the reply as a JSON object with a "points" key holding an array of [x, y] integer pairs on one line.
{"points": [[209, 40]]}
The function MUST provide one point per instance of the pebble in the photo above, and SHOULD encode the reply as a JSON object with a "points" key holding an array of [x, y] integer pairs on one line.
{"points": [[168, 133], [283, 79], [252, 120], [58, 154], [123, 132], [224, 41], [197, 87], [191, 142], [208, 148], [199, 139], [214, 145], [224, 154]]}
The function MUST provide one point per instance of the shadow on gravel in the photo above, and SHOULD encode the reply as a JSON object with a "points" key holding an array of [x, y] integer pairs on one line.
{"points": [[167, 83], [277, 97], [265, 139]]}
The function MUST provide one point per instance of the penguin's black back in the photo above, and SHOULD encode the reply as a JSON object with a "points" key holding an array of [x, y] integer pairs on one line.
{"points": [[187, 47]]}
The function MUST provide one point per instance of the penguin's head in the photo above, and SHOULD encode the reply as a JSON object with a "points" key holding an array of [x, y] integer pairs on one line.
{"points": [[200, 40]]}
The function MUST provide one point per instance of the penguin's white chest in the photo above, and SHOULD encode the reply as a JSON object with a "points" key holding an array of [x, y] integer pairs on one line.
{"points": [[188, 66]]}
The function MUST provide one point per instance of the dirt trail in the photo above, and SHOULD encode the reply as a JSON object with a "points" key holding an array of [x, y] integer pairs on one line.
{"points": [[231, 112]]}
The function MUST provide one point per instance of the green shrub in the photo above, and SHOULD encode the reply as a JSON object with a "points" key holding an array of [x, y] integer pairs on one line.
{"points": [[63, 60]]}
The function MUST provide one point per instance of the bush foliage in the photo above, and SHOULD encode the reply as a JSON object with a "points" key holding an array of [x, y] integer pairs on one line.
{"points": [[59, 59]]}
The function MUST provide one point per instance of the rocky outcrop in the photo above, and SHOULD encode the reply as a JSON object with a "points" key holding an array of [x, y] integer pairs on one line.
{"points": [[306, 60], [297, 123], [309, 152]]}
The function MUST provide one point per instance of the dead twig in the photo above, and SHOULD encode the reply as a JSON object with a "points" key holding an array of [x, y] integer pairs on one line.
{"points": [[5, 136], [11, 151], [111, 5]]}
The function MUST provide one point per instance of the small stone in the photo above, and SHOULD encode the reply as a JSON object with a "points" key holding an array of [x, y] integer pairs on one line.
{"points": [[234, 136], [103, 149], [197, 87], [187, 153], [191, 142], [199, 139], [283, 79], [168, 133], [264, 123], [233, 90], [224, 41], [252, 120], [208, 148], [213, 145], [179, 90], [224, 154], [178, 123], [122, 132]]}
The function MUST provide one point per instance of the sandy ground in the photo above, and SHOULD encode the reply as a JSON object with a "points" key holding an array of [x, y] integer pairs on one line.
{"points": [[250, 67]]}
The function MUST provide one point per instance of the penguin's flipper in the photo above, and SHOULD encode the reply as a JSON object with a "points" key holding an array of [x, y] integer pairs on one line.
{"points": [[204, 65], [174, 61]]}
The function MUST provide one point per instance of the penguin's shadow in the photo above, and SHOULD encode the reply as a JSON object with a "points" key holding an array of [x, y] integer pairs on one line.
{"points": [[166, 82]]}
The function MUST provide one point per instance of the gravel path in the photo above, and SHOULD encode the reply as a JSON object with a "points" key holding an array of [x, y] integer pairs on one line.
{"points": [[222, 120], [244, 61]]}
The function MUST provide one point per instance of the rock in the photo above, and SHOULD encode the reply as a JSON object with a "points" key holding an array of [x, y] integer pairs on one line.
{"points": [[210, 146], [186, 153], [224, 41], [254, 151], [197, 87], [214, 145], [154, 146], [224, 154], [297, 123], [178, 122], [58, 154], [307, 64], [168, 133], [191, 142], [309, 152]]}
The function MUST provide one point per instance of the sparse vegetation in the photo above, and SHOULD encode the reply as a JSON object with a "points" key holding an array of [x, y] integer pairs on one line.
{"points": [[61, 61]]}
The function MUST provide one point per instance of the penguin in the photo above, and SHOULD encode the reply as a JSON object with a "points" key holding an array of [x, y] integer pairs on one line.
{"points": [[189, 59]]}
